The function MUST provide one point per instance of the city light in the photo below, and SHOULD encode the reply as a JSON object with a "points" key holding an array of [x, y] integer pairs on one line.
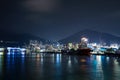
{"points": [[84, 39], [1, 53]]}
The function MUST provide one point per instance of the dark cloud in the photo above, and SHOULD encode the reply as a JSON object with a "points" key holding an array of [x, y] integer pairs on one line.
{"points": [[41, 5]]}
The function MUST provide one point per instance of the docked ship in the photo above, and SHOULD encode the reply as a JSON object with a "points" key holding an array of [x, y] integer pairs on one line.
{"points": [[82, 48]]}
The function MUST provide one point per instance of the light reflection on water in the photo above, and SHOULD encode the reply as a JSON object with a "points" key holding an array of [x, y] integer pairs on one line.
{"points": [[43, 66], [99, 73], [1, 64]]}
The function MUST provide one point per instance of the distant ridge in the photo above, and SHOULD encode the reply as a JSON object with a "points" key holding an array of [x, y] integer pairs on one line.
{"points": [[15, 39], [93, 36]]}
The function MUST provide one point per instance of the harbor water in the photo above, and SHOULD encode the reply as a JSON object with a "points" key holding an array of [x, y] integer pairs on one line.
{"points": [[44, 66]]}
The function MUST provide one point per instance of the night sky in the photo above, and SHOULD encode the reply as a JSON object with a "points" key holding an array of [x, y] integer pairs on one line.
{"points": [[57, 19]]}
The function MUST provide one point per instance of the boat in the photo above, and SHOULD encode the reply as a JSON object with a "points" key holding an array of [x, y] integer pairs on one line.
{"points": [[86, 51], [82, 48]]}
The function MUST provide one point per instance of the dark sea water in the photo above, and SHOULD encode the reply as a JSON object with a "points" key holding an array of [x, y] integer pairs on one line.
{"points": [[58, 67]]}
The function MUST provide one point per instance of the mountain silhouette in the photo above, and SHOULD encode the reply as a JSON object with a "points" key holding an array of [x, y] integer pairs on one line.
{"points": [[93, 36], [15, 39]]}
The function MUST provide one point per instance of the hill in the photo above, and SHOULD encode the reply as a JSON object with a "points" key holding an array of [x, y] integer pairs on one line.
{"points": [[93, 36], [15, 39]]}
